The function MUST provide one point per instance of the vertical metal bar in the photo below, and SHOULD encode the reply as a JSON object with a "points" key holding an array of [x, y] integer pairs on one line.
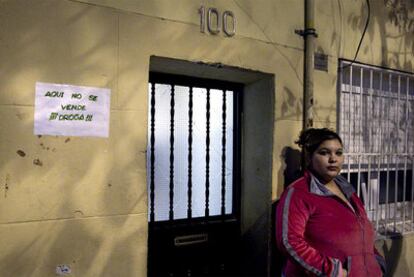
{"points": [[387, 207], [397, 156], [412, 194], [407, 127], [412, 174], [387, 211], [360, 113], [378, 207], [368, 185], [376, 146], [349, 122], [152, 150], [389, 102], [359, 176], [380, 115], [207, 212], [376, 149], [341, 112], [223, 157], [380, 145], [172, 112], [388, 155], [190, 153], [404, 191], [406, 155], [371, 111], [360, 130]]}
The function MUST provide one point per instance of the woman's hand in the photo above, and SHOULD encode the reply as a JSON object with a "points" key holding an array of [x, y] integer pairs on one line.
{"points": [[344, 273]]}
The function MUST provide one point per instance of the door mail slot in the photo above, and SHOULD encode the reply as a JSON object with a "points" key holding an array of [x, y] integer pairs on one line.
{"points": [[190, 239]]}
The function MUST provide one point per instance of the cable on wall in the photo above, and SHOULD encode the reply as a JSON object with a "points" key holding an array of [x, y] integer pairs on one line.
{"points": [[362, 37]]}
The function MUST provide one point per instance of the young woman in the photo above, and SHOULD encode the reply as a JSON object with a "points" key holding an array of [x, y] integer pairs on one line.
{"points": [[321, 225]]}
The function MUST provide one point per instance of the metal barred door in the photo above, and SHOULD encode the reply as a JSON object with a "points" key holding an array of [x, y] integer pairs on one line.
{"points": [[193, 176]]}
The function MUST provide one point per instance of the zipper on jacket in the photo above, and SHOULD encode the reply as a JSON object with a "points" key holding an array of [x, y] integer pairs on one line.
{"points": [[360, 222], [348, 204]]}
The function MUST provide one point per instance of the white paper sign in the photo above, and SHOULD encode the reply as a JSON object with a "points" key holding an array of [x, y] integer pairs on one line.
{"points": [[66, 110]]}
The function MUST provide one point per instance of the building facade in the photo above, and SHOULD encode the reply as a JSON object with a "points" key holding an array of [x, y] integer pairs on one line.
{"points": [[178, 180]]}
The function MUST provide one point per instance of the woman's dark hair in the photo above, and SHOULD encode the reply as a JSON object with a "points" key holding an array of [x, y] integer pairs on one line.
{"points": [[310, 139]]}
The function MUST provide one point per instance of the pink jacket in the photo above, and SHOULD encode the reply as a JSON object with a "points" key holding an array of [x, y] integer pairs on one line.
{"points": [[321, 235]]}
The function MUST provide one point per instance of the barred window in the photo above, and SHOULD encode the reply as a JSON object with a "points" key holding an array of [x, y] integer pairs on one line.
{"points": [[376, 122], [191, 148]]}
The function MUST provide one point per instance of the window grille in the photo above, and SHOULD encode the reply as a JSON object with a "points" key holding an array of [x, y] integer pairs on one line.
{"points": [[191, 148], [376, 123]]}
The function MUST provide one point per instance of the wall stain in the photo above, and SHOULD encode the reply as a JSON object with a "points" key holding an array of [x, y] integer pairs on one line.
{"points": [[37, 162], [20, 153], [78, 213], [44, 147], [288, 104], [20, 116], [6, 185]]}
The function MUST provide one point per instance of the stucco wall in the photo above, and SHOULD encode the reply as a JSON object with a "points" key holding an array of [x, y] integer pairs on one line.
{"points": [[85, 204]]}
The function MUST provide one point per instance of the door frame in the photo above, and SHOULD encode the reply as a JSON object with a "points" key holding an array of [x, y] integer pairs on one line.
{"points": [[257, 135]]}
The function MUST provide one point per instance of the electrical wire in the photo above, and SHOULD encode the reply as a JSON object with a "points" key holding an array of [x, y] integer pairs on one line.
{"points": [[362, 37]]}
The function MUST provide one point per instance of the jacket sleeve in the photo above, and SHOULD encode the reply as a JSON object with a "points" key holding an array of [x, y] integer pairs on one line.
{"points": [[292, 216]]}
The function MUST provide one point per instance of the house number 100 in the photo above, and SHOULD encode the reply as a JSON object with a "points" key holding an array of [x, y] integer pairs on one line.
{"points": [[214, 21]]}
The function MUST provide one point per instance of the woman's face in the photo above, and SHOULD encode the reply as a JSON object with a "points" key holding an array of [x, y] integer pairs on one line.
{"points": [[327, 159]]}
